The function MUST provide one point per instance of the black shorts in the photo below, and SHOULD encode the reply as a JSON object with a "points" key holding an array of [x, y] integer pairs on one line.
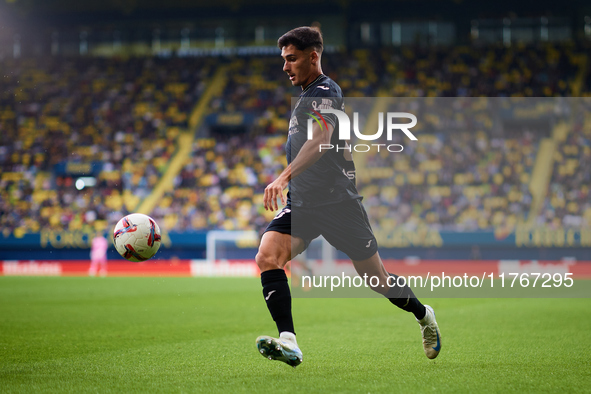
{"points": [[344, 225]]}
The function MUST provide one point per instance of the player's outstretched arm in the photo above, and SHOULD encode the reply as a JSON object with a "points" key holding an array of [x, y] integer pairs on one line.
{"points": [[309, 154]]}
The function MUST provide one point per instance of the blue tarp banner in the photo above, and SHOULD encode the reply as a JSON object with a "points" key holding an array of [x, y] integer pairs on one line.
{"points": [[70, 168]]}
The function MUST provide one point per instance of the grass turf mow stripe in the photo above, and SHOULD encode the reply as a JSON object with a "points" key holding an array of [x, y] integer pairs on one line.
{"points": [[197, 334]]}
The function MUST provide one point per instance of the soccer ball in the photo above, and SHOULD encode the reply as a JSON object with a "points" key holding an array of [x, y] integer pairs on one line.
{"points": [[137, 237]]}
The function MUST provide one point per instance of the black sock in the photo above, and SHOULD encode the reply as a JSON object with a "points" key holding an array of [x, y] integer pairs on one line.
{"points": [[405, 299], [278, 298]]}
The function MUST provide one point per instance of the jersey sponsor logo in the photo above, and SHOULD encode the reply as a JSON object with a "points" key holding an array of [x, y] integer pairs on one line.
{"points": [[368, 243], [293, 125], [323, 87]]}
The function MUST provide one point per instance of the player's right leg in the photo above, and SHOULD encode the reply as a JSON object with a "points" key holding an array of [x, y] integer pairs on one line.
{"points": [[93, 267], [275, 250], [103, 267]]}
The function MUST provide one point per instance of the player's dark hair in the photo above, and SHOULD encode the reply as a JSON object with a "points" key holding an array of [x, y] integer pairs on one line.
{"points": [[302, 38]]}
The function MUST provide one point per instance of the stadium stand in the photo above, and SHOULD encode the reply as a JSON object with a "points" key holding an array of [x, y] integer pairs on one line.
{"points": [[489, 71], [125, 116], [453, 180], [68, 115], [567, 204]]}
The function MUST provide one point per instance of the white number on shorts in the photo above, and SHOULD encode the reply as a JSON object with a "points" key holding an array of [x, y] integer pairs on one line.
{"points": [[283, 212]]}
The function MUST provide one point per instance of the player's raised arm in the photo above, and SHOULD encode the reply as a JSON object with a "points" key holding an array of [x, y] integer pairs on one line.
{"points": [[311, 151]]}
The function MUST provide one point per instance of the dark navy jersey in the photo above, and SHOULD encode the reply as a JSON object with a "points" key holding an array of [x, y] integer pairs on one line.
{"points": [[332, 178]]}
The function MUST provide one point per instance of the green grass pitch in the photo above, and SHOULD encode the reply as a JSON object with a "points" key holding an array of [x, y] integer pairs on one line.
{"points": [[198, 335]]}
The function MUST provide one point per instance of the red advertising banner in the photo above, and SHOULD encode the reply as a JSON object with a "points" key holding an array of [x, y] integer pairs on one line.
{"points": [[248, 268], [82, 268]]}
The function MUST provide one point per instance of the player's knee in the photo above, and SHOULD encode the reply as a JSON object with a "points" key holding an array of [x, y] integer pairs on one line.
{"points": [[267, 261]]}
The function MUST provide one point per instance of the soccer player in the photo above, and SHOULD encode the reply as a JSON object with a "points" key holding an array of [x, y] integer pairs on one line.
{"points": [[98, 255], [323, 193]]}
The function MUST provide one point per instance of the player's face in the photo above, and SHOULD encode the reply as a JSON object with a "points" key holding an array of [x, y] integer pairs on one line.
{"points": [[299, 65]]}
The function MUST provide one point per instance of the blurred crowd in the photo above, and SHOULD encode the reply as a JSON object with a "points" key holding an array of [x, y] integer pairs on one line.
{"points": [[486, 71], [120, 119], [568, 203], [451, 179]]}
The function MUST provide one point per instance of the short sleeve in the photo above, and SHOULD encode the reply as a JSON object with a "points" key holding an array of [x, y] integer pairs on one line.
{"points": [[326, 99]]}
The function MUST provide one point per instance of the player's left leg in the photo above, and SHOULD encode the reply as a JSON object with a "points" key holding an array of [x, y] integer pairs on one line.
{"points": [[346, 226], [404, 298]]}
